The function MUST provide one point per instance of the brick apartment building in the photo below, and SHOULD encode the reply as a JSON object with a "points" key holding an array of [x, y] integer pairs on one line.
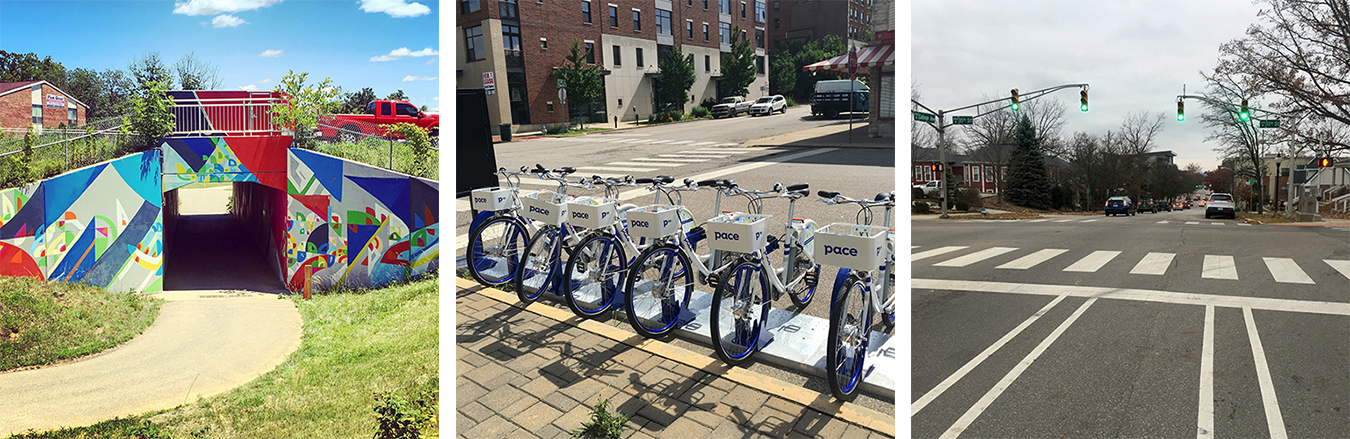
{"points": [[814, 19], [38, 103], [516, 44]]}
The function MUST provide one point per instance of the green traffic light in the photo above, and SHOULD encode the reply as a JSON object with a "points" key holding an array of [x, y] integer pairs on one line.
{"points": [[1083, 107], [1014, 106], [1181, 117]]}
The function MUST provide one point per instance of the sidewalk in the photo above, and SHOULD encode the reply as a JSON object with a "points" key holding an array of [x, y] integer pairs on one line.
{"points": [[829, 136], [538, 371]]}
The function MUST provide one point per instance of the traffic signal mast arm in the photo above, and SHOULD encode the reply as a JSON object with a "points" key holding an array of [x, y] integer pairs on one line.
{"points": [[1023, 98], [1231, 107]]}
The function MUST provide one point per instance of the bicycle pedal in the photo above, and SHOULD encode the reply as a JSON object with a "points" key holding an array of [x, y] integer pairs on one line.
{"points": [[713, 282], [811, 278]]}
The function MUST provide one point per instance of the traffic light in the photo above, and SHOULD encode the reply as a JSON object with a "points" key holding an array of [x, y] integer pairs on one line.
{"points": [[1082, 99], [1245, 114], [1181, 110], [1325, 162], [1015, 100], [937, 167]]}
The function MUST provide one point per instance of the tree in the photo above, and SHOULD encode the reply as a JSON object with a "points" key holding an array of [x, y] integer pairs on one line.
{"points": [[396, 96], [1238, 139], [355, 103], [118, 88], [991, 136], [677, 76], [788, 59], [582, 80], [149, 68], [307, 103], [195, 74], [738, 67], [1028, 180], [154, 115]]}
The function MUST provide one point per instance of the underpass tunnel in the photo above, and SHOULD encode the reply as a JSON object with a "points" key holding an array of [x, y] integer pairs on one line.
{"points": [[220, 236]]}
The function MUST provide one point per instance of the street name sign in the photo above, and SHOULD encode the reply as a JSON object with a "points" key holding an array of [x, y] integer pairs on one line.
{"points": [[963, 120], [924, 117], [1274, 123]]}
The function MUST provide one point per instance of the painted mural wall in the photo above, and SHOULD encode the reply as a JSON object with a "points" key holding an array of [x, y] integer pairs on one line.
{"points": [[100, 225]]}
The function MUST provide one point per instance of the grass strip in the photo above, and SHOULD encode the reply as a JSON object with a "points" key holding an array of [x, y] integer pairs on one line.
{"points": [[43, 322]]}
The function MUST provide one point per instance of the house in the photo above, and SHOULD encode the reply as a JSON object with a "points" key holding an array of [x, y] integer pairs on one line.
{"points": [[983, 175], [37, 103]]}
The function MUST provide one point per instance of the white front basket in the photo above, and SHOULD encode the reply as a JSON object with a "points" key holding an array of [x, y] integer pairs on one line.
{"points": [[654, 221], [493, 198], [547, 207], [852, 246], [738, 232]]}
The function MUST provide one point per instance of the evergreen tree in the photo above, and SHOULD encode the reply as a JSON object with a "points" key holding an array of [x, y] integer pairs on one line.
{"points": [[1028, 182], [583, 81], [677, 76], [738, 67]]}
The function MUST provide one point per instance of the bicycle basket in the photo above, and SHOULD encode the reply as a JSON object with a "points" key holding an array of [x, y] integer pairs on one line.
{"points": [[738, 232], [654, 222], [592, 212], [493, 198], [546, 206], [852, 246]]}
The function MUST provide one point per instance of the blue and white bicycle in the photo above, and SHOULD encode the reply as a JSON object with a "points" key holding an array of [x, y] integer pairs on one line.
{"points": [[865, 285]]}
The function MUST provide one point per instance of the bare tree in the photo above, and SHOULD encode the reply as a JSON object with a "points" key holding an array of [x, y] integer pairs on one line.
{"points": [[991, 136], [1239, 139], [195, 74]]}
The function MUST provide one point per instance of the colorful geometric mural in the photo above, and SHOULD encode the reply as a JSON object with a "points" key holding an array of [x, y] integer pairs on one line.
{"points": [[190, 160]]}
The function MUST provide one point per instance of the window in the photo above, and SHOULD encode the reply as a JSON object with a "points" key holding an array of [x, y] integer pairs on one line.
{"points": [[707, 63], [759, 12], [989, 174], [742, 9], [550, 106], [637, 20], [705, 5], [509, 9], [384, 109], [71, 119], [725, 33], [662, 22], [742, 34], [37, 114], [759, 38], [586, 12], [473, 43], [511, 46], [759, 64], [613, 16], [724, 6], [775, 24], [927, 173], [705, 32], [686, 3], [402, 109], [689, 28], [975, 174], [918, 173], [590, 52], [543, 43], [775, 6], [639, 57], [617, 60], [468, 6]]}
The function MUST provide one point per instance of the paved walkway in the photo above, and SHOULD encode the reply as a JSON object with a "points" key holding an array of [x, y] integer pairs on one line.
{"points": [[202, 344], [537, 372]]}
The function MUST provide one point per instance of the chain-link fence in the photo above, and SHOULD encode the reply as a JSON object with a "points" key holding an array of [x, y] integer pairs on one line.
{"points": [[26, 158], [376, 146]]}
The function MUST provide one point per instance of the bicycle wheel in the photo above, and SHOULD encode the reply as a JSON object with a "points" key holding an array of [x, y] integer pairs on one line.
{"points": [[740, 309], [803, 292], [850, 318], [594, 275], [659, 285], [541, 265], [494, 250]]}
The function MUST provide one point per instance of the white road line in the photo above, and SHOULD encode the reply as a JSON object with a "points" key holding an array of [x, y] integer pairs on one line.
{"points": [[974, 257], [935, 252], [1191, 223], [970, 365], [1039, 220], [702, 143], [1244, 224], [682, 142], [1157, 296], [1341, 266], [716, 151], [658, 142], [1162, 222], [1154, 263], [1286, 271], [1205, 419], [993, 394], [912, 247], [1274, 420], [672, 160], [1033, 259], [689, 156], [644, 164], [1093, 262], [1216, 224], [1088, 221], [726, 144], [613, 169], [1219, 267], [1064, 221]]}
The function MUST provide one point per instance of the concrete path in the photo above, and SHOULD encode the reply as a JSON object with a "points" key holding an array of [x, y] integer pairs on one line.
{"points": [[204, 343]]}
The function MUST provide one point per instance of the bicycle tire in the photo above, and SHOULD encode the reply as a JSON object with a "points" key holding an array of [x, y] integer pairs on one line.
{"points": [[589, 297], [495, 265], [734, 296], [802, 293], [846, 350], [539, 268], [654, 309]]}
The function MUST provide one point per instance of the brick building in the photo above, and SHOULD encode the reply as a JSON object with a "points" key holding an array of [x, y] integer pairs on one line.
{"points": [[516, 44], [38, 103], [814, 19]]}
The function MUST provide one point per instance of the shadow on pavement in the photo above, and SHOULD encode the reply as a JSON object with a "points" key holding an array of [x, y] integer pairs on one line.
{"points": [[213, 252]]}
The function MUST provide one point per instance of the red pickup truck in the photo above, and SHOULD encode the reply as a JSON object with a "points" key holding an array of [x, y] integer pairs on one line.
{"points": [[378, 114]]}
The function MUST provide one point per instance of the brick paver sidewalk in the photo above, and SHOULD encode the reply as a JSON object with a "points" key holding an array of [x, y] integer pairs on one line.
{"points": [[538, 373]]}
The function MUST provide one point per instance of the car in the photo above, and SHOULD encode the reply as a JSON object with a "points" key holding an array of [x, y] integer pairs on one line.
{"points": [[729, 107], [1120, 205], [1147, 205], [769, 104], [928, 188], [1177, 206], [1186, 205], [1220, 204]]}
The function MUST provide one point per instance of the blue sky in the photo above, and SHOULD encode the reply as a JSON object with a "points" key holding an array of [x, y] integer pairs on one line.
{"points": [[383, 44]]}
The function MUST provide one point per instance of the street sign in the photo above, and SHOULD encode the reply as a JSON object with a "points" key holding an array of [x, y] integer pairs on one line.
{"points": [[852, 62], [963, 120], [1274, 123], [562, 94], [924, 117], [562, 83]]}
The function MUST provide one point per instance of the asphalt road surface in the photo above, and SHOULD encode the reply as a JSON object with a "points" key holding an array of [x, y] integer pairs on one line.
{"points": [[1153, 325]]}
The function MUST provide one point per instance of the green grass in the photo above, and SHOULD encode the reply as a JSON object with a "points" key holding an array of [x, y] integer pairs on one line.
{"points": [[375, 152], [45, 322]]}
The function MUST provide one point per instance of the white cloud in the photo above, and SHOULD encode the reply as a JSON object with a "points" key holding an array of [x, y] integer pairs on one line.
{"points": [[270, 53], [403, 52], [431, 61], [226, 20], [211, 7], [395, 8], [249, 87], [418, 78], [265, 81], [437, 98]]}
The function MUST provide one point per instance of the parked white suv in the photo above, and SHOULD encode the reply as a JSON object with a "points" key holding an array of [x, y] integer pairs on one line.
{"points": [[1220, 204], [769, 104]]}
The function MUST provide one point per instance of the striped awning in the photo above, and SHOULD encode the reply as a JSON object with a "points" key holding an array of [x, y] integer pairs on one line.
{"points": [[868, 57]]}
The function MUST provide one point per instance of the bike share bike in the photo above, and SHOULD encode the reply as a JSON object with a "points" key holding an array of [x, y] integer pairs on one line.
{"points": [[498, 231], [540, 266], [740, 306], [864, 285], [594, 274]]}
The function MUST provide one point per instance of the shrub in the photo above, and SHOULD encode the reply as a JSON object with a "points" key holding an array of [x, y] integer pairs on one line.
{"points": [[970, 197], [397, 417], [708, 103], [603, 424], [699, 112], [962, 205], [790, 102], [921, 207]]}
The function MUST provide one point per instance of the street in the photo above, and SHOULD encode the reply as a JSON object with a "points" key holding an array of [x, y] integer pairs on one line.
{"points": [[1153, 325]]}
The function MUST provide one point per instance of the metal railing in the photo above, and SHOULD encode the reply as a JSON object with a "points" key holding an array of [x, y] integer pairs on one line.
{"points": [[390, 149], [226, 117]]}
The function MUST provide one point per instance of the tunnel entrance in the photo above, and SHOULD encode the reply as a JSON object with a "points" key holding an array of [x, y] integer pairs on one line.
{"points": [[209, 247]]}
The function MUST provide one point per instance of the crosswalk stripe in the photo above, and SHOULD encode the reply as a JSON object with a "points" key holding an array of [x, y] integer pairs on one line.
{"points": [[1219, 267], [1162, 222], [683, 142], [1093, 262], [1341, 266], [719, 150], [1033, 259], [690, 156], [1088, 221], [726, 144], [912, 247], [658, 142], [1064, 221], [702, 143], [1286, 271], [1039, 220], [613, 169], [672, 160], [974, 257], [936, 251], [1216, 224], [1154, 263], [1189, 223], [1244, 224], [644, 164]]}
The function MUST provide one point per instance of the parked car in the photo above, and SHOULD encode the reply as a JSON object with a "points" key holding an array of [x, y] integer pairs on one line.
{"points": [[928, 188], [769, 104], [730, 107], [379, 114], [1220, 205], [1120, 205], [1147, 205]]}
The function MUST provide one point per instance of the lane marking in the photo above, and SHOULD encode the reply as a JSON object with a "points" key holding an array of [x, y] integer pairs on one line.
{"points": [[716, 151], [658, 142], [1033, 259], [974, 362], [1190, 223], [1219, 267], [1216, 224], [1093, 262], [614, 169], [693, 156], [1039, 220], [1274, 420], [936, 251], [644, 164], [1205, 418], [974, 257], [1088, 221], [1162, 222], [701, 143], [1286, 271], [1244, 224], [1154, 263], [1064, 221], [671, 160], [1341, 266], [682, 142], [1287, 305], [974, 412]]}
